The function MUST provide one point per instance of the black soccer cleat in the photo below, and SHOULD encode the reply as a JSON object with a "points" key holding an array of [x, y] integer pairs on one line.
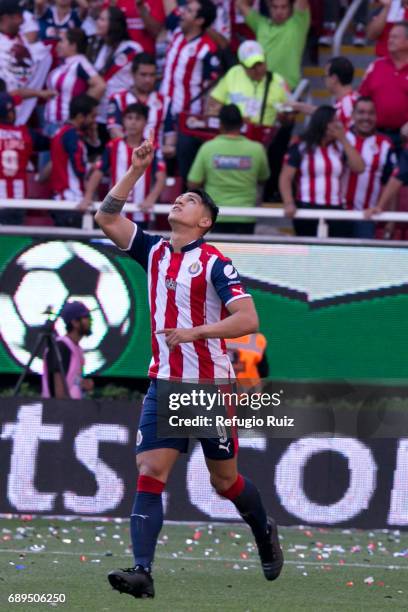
{"points": [[270, 552], [134, 581]]}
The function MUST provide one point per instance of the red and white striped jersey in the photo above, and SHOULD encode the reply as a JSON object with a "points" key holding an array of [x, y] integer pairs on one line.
{"points": [[229, 20], [363, 190], [319, 173], [69, 160], [15, 150], [115, 67], [189, 64], [157, 104], [68, 80], [185, 290], [344, 108], [116, 160]]}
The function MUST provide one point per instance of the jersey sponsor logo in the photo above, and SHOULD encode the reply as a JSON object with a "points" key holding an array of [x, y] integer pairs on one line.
{"points": [[232, 162], [195, 268], [238, 290], [171, 284], [230, 272]]}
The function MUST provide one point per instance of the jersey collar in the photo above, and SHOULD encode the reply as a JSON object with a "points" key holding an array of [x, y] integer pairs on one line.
{"points": [[188, 247]]}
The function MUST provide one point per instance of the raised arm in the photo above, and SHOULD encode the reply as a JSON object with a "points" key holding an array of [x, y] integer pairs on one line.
{"points": [[377, 24], [302, 5], [244, 6], [113, 224]]}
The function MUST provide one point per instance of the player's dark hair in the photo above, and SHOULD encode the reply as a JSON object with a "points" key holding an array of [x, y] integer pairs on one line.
{"points": [[316, 130], [143, 58], [363, 99], [77, 37], [82, 105], [138, 108], [342, 68], [230, 118], [402, 24], [117, 29], [209, 204], [207, 12]]}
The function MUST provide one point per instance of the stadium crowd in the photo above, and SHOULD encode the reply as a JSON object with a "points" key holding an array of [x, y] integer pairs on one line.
{"points": [[84, 82]]}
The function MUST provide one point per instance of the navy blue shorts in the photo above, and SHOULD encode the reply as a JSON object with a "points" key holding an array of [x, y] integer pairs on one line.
{"points": [[213, 448]]}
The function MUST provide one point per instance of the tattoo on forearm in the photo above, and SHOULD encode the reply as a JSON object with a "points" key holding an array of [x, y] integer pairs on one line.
{"points": [[111, 205]]}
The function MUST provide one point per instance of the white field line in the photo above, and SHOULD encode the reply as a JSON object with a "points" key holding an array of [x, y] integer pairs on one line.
{"points": [[70, 553]]}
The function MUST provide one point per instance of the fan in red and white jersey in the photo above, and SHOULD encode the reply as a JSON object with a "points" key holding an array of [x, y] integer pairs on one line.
{"points": [[114, 60], [339, 75], [339, 81], [143, 91], [362, 191], [69, 161], [15, 151], [231, 23], [145, 19], [191, 60], [73, 77], [117, 159], [317, 164]]}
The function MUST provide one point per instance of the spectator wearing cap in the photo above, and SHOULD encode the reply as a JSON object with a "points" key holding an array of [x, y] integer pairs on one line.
{"points": [[258, 94], [283, 35], [248, 84], [383, 20], [78, 323], [23, 67], [386, 82], [231, 167]]}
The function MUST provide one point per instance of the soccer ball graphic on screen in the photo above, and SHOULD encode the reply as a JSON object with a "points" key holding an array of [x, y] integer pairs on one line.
{"points": [[49, 274]]}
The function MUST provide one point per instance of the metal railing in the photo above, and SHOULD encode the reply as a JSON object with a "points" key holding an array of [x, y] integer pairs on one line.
{"points": [[344, 24], [262, 212]]}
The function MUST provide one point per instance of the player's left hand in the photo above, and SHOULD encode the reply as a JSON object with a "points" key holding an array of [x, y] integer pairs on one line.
{"points": [[178, 336]]}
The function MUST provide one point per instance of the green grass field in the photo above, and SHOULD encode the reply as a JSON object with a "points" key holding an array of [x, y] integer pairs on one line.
{"points": [[204, 567]]}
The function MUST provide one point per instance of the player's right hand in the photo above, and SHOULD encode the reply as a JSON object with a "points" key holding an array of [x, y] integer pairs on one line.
{"points": [[142, 156]]}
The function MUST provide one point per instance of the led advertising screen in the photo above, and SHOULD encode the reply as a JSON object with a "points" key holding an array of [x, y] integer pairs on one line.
{"points": [[327, 312]]}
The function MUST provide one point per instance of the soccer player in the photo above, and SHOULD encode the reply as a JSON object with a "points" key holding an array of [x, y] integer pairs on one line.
{"points": [[196, 300]]}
